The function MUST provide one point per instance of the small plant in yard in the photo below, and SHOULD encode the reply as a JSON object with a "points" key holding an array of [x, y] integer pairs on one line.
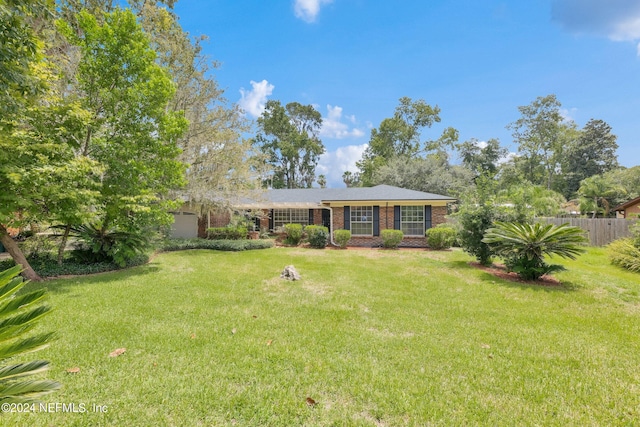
{"points": [[18, 316], [391, 238], [441, 237], [342, 237], [293, 233], [524, 246], [625, 252], [317, 236]]}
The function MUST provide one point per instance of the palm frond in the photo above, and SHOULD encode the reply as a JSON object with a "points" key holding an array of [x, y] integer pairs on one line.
{"points": [[18, 316]]}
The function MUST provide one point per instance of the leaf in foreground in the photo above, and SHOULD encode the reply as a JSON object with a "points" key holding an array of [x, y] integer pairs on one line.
{"points": [[117, 352], [18, 316]]}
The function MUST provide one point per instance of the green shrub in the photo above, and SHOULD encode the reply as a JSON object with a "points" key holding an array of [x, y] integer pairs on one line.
{"points": [[624, 253], [219, 245], [441, 237], [111, 245], [293, 233], [74, 264], [474, 220], [317, 236], [391, 238], [227, 233], [38, 246], [524, 246], [342, 237]]}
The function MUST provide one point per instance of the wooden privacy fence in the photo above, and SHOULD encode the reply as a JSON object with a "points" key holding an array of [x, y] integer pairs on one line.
{"points": [[601, 231]]}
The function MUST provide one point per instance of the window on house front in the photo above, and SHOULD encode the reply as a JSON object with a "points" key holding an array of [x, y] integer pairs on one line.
{"points": [[290, 216], [412, 220], [362, 220]]}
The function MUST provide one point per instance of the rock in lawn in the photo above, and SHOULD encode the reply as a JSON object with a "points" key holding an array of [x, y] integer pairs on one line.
{"points": [[290, 273]]}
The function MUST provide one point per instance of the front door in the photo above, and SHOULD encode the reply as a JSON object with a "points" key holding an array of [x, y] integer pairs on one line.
{"points": [[326, 219]]}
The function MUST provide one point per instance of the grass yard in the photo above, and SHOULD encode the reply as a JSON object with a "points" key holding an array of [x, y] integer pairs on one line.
{"points": [[374, 338]]}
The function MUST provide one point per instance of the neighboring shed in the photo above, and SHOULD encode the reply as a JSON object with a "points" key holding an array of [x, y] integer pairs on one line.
{"points": [[629, 210]]}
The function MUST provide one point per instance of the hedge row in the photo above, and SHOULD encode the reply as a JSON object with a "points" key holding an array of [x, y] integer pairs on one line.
{"points": [[48, 266], [218, 245], [227, 233]]}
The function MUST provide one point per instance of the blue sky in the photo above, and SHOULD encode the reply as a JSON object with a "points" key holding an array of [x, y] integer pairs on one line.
{"points": [[477, 60]]}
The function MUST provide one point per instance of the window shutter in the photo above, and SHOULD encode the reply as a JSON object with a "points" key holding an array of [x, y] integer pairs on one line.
{"points": [[427, 217], [271, 219], [376, 220], [310, 216], [396, 217], [347, 218]]}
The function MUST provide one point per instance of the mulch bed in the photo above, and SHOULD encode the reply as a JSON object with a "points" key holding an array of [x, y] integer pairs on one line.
{"points": [[500, 271]]}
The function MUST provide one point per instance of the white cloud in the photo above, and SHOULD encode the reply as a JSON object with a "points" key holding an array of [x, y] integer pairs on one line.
{"points": [[619, 20], [253, 101], [568, 114], [333, 164], [333, 127], [308, 10]]}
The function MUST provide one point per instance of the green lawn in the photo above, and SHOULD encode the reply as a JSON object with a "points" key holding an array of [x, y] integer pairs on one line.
{"points": [[375, 338]]}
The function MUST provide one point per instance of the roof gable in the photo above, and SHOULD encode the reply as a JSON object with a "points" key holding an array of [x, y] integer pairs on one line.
{"points": [[627, 204]]}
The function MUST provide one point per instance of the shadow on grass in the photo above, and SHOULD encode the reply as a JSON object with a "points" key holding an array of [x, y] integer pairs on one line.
{"points": [[485, 276], [533, 285], [63, 284]]}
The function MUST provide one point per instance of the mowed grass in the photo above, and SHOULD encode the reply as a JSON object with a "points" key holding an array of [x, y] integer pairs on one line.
{"points": [[373, 337]]}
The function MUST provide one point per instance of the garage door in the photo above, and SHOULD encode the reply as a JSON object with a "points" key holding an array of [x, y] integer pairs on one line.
{"points": [[185, 225]]}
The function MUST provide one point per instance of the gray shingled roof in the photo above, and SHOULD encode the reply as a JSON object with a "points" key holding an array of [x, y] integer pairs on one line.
{"points": [[315, 196]]}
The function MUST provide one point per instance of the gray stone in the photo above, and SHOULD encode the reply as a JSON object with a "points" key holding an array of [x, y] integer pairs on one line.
{"points": [[290, 273]]}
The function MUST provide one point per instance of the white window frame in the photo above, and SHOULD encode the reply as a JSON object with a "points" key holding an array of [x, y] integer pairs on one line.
{"points": [[362, 216], [410, 217], [281, 217]]}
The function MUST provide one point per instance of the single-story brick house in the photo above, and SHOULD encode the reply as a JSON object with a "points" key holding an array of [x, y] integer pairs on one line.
{"points": [[629, 210], [365, 211]]}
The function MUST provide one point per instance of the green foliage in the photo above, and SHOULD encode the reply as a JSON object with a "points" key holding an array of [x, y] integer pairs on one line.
{"points": [[289, 138], [342, 237], [538, 135], [317, 236], [478, 213], [441, 237], [293, 233], [474, 221], [532, 200], [130, 131], [391, 238], [432, 174], [399, 136], [218, 245], [524, 246], [598, 194], [103, 244], [481, 160], [19, 315], [75, 263], [227, 233], [593, 152], [625, 253], [38, 246]]}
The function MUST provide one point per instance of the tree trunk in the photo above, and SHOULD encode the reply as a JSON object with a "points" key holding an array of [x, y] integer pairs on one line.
{"points": [[63, 244], [12, 247]]}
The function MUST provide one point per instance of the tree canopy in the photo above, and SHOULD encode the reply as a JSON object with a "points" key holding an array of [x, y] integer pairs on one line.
{"points": [[288, 136]]}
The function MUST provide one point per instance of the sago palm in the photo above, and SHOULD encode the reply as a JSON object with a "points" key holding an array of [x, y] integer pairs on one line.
{"points": [[524, 246], [18, 316]]}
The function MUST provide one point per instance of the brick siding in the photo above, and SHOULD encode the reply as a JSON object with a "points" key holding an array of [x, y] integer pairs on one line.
{"points": [[438, 213]]}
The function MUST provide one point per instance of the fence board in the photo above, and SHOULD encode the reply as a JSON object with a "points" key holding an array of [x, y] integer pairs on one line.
{"points": [[601, 231]]}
